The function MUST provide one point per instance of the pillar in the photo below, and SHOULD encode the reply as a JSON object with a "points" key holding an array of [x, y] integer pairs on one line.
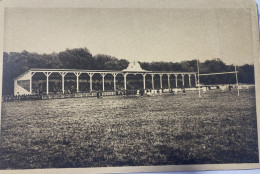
{"points": [[114, 74], [161, 81], [47, 81], [77, 75], [125, 80], [152, 81], [169, 83], [189, 81], [182, 80], [103, 81], [237, 81], [77, 83], [144, 80], [62, 80], [47, 85], [195, 76], [32, 73], [176, 80], [90, 81], [31, 85]]}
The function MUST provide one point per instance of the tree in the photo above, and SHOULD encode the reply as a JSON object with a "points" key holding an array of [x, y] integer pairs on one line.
{"points": [[78, 58], [16, 63]]}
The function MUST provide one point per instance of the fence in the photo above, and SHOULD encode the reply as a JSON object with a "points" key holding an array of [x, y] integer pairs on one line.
{"points": [[12, 98]]}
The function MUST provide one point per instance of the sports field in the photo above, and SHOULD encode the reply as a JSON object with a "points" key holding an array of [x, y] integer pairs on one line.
{"points": [[129, 131]]}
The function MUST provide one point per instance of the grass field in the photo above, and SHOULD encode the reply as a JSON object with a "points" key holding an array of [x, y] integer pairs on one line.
{"points": [[117, 131]]}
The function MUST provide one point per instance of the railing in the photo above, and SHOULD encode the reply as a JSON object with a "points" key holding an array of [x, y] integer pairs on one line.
{"points": [[12, 98]]}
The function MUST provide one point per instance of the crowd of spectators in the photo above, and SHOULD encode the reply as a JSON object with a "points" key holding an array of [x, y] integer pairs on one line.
{"points": [[70, 87], [9, 98]]}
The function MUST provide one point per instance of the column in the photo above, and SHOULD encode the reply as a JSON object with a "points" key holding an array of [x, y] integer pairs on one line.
{"points": [[237, 81], [161, 80], [77, 83], [189, 81], [195, 79], [47, 81], [31, 75], [125, 80], [169, 83], [90, 81], [62, 80], [114, 74], [196, 82], [77, 74], [103, 80], [152, 81], [144, 80], [47, 84], [31, 84], [176, 80], [182, 80]]}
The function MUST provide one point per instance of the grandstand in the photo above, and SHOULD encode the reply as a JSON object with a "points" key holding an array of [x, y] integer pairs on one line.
{"points": [[62, 81]]}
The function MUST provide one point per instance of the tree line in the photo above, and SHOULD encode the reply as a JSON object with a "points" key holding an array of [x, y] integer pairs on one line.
{"points": [[16, 63]]}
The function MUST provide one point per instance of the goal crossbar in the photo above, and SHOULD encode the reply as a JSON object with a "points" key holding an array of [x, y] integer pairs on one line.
{"points": [[232, 72]]}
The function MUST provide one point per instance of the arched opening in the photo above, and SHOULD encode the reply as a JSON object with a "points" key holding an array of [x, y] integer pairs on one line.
{"points": [[96, 82], [120, 81], [148, 81], [186, 81], [165, 81], [54, 83], [157, 81], [84, 84], [134, 81], [179, 81], [39, 83], [109, 82], [70, 84], [172, 81]]}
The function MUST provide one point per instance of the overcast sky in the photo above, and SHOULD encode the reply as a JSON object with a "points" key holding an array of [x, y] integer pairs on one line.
{"points": [[134, 34]]}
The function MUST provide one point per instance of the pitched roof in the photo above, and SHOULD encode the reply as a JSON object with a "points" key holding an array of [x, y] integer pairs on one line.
{"points": [[134, 67]]}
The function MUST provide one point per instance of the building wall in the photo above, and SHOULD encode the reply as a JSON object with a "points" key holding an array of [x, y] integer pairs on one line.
{"points": [[22, 87]]}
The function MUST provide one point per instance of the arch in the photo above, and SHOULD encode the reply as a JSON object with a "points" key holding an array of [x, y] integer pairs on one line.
{"points": [[148, 81], [156, 81], [134, 81], [164, 81], [177, 81], [84, 82], [109, 82], [96, 82], [172, 80], [70, 83], [39, 83], [120, 81]]}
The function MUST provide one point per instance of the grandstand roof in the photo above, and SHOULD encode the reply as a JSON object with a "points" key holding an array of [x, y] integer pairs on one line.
{"points": [[133, 67]]}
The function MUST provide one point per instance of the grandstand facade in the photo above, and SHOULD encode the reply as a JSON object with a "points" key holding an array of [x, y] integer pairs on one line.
{"points": [[48, 81]]}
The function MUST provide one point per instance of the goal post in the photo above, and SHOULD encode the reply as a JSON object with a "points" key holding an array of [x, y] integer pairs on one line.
{"points": [[218, 73]]}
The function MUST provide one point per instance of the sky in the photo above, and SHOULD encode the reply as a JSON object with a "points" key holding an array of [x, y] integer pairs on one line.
{"points": [[133, 34], [258, 7]]}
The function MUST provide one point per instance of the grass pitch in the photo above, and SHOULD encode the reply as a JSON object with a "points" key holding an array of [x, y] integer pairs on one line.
{"points": [[118, 131]]}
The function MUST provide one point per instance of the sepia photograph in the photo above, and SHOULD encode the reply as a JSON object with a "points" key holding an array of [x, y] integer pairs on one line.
{"points": [[126, 87]]}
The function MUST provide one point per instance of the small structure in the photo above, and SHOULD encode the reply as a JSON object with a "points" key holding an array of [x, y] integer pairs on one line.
{"points": [[134, 67], [23, 84]]}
